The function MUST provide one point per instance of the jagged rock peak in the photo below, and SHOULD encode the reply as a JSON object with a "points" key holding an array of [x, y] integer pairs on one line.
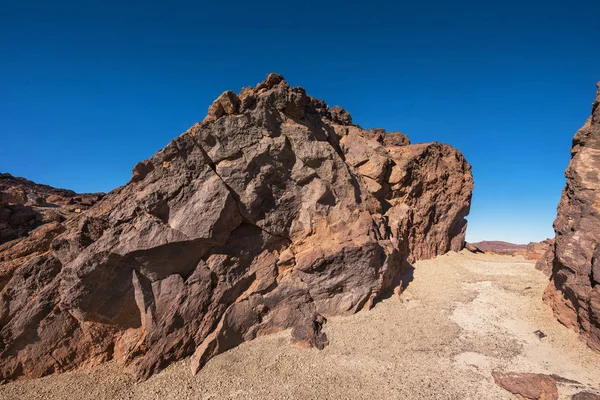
{"points": [[275, 92], [596, 106]]}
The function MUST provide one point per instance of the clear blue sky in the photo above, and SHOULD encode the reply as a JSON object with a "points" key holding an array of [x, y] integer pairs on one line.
{"points": [[88, 88]]}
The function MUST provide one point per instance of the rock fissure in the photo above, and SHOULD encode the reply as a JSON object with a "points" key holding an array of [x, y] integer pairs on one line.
{"points": [[234, 194]]}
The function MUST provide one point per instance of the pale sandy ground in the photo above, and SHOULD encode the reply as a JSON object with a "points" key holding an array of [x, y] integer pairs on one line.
{"points": [[462, 316]]}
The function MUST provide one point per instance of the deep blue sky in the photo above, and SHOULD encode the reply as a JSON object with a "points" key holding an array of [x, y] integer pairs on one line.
{"points": [[88, 88]]}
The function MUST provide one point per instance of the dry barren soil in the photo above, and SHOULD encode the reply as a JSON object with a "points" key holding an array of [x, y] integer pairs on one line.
{"points": [[462, 316]]}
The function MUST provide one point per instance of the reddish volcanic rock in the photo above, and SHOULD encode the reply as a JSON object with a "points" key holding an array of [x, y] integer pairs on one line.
{"points": [[545, 262], [31, 216], [527, 385], [574, 290], [536, 250], [273, 213], [25, 205]]}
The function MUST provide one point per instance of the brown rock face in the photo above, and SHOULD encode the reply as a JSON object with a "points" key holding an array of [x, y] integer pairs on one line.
{"points": [[574, 290], [273, 213], [544, 263], [536, 250]]}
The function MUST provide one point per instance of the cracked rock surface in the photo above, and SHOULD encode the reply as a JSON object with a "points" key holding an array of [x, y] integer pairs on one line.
{"points": [[574, 290], [273, 213]]}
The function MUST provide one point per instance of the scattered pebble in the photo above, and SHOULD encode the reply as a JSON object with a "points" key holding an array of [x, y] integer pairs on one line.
{"points": [[540, 334]]}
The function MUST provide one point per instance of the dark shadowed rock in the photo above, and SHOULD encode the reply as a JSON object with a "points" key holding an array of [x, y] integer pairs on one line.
{"points": [[473, 249], [308, 333], [574, 290], [585, 396], [273, 213]]}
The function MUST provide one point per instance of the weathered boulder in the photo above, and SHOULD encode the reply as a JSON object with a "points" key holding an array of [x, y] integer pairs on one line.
{"points": [[527, 385], [473, 249], [275, 212], [574, 290]]}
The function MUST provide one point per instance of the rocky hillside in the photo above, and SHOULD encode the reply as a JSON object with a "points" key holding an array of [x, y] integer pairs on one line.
{"points": [[31, 215], [25, 205], [274, 212], [574, 290], [500, 247]]}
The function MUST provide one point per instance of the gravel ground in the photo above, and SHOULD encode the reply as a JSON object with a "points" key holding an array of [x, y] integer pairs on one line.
{"points": [[462, 316]]}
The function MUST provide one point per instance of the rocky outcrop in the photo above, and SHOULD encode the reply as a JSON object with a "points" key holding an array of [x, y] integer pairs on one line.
{"points": [[574, 290], [273, 213], [31, 216], [537, 250], [544, 263], [25, 205], [473, 249], [527, 385]]}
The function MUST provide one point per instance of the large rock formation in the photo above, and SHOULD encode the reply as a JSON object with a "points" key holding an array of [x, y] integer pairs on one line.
{"points": [[273, 213], [574, 290]]}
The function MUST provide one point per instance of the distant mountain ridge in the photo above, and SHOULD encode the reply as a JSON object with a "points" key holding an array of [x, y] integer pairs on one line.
{"points": [[531, 251], [499, 246]]}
